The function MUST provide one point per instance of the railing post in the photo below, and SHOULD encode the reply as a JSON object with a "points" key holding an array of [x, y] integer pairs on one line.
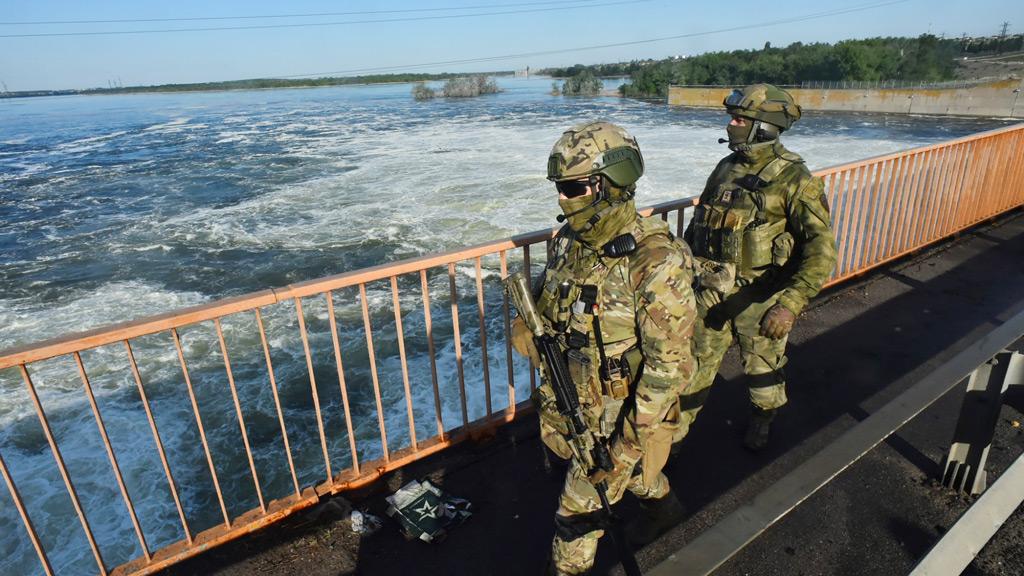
{"points": [[964, 468]]}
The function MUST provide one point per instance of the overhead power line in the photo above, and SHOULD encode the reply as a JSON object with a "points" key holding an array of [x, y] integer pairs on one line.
{"points": [[561, 6], [305, 15], [803, 18]]}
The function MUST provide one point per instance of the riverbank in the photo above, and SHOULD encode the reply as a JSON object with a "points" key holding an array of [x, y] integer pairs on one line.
{"points": [[997, 99], [254, 84]]}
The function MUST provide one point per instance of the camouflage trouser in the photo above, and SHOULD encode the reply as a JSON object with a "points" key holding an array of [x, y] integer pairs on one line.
{"points": [[739, 316], [579, 512]]}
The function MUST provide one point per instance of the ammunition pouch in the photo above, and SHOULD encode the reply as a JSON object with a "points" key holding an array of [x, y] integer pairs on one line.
{"points": [[718, 232], [782, 249], [751, 249], [658, 445], [554, 429], [759, 246], [584, 376]]}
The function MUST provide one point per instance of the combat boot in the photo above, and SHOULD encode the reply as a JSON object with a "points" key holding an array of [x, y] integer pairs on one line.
{"points": [[657, 515], [759, 428]]}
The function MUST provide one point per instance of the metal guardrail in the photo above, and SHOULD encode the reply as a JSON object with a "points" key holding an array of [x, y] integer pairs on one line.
{"points": [[882, 208], [719, 543], [890, 84]]}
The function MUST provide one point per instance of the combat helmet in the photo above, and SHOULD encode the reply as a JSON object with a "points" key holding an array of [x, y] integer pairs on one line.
{"points": [[771, 108], [595, 149], [609, 159]]}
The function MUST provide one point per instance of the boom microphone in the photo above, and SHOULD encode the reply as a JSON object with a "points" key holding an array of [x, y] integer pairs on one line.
{"points": [[722, 140]]}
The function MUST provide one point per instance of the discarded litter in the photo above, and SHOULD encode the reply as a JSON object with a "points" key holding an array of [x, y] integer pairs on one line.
{"points": [[425, 512], [364, 523]]}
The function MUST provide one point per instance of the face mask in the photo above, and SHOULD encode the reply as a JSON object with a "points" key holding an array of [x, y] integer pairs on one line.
{"points": [[612, 218], [578, 211], [738, 134]]}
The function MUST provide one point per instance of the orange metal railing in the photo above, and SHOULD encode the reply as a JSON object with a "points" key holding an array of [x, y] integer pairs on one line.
{"points": [[882, 208]]}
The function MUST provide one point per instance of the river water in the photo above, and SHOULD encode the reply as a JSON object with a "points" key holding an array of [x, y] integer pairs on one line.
{"points": [[117, 207]]}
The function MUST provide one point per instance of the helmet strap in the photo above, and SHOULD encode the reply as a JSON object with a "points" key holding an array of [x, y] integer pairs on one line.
{"points": [[765, 132], [754, 129]]}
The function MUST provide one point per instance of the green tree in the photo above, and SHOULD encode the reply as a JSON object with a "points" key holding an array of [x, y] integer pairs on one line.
{"points": [[582, 84]]}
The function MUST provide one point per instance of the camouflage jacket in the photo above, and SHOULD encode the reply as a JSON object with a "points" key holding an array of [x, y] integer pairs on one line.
{"points": [[645, 311], [764, 212]]}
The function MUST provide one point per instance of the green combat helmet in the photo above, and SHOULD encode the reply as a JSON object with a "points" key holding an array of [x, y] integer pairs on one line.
{"points": [[772, 110], [608, 158]]}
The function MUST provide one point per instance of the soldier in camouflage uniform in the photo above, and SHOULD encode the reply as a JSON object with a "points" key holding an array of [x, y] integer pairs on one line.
{"points": [[617, 293], [764, 245]]}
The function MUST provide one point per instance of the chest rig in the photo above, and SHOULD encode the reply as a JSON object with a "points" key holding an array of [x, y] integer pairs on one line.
{"points": [[732, 224], [588, 300]]}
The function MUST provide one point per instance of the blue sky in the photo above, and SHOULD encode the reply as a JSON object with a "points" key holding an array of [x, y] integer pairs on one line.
{"points": [[524, 26]]}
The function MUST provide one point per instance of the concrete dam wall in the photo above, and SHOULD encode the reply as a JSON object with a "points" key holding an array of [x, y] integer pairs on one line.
{"points": [[1000, 99]]}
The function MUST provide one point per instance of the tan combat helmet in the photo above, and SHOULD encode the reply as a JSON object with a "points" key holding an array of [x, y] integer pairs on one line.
{"points": [[596, 149], [770, 109]]}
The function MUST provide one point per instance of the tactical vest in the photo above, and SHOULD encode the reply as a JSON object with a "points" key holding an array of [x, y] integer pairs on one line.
{"points": [[583, 291], [731, 225]]}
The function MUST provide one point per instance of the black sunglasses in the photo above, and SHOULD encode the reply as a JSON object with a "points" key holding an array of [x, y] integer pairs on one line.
{"points": [[572, 188]]}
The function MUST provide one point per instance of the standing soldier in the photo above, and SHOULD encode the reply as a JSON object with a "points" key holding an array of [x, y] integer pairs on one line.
{"points": [[617, 296], [764, 245]]}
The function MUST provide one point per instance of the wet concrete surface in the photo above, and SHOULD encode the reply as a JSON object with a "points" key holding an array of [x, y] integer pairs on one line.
{"points": [[856, 348]]}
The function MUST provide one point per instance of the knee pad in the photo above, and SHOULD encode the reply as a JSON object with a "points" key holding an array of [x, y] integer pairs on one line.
{"points": [[767, 380], [569, 528], [694, 400]]}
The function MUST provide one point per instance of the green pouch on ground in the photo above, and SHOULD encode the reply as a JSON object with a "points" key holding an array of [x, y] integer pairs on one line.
{"points": [[426, 513]]}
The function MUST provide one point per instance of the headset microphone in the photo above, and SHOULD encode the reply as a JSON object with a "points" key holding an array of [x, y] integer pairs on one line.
{"points": [[722, 140]]}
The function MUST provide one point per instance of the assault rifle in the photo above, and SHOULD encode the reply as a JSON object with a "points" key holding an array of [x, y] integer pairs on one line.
{"points": [[588, 451]]}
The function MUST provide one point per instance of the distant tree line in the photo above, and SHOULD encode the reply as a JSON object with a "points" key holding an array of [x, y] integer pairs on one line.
{"points": [[996, 44], [925, 58], [258, 83], [458, 87], [599, 70]]}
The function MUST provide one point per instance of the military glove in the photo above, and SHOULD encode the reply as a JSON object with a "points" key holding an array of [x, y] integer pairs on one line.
{"points": [[777, 322], [522, 341], [717, 276]]}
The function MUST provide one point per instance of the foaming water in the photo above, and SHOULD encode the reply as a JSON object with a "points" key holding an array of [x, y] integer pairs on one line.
{"points": [[117, 207]]}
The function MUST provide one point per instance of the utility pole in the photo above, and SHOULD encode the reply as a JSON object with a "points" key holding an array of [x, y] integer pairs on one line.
{"points": [[1002, 38]]}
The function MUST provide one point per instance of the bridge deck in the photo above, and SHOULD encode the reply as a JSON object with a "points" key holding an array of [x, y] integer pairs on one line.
{"points": [[854, 350]]}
